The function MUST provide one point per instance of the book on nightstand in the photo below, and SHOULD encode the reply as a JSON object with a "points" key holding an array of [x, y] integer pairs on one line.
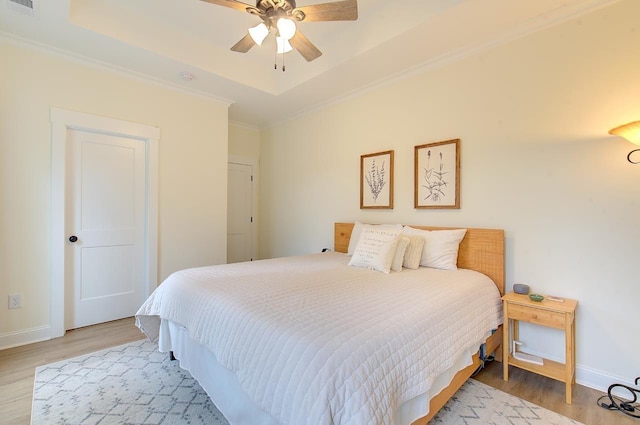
{"points": [[555, 299]]}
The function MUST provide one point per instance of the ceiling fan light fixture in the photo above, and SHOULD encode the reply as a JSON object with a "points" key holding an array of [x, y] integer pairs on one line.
{"points": [[259, 33], [281, 18], [283, 45], [286, 28]]}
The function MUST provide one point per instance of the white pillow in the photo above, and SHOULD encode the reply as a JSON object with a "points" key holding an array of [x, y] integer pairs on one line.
{"points": [[398, 258], [376, 248], [357, 231], [355, 237], [440, 249], [413, 254]]}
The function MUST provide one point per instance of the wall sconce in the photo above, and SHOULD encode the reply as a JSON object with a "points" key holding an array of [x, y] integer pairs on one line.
{"points": [[631, 132]]}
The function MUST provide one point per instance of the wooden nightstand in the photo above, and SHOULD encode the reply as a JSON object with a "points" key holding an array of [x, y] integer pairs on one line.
{"points": [[559, 315]]}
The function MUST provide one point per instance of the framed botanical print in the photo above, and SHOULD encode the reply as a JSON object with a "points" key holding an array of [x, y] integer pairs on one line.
{"points": [[376, 180], [437, 175]]}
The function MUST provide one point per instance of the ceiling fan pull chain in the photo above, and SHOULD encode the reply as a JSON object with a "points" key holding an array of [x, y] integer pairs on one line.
{"points": [[275, 58]]}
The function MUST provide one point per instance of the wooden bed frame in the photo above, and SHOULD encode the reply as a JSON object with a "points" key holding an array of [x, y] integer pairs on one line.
{"points": [[481, 250]]}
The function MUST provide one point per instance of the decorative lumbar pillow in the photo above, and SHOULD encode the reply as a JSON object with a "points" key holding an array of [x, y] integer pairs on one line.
{"points": [[440, 249], [413, 254], [355, 237], [376, 248], [357, 231], [398, 258]]}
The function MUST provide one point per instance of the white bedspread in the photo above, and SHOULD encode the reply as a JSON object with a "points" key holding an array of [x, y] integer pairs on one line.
{"points": [[316, 342]]}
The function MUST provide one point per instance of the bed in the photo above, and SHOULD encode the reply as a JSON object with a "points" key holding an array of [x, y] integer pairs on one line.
{"points": [[309, 340]]}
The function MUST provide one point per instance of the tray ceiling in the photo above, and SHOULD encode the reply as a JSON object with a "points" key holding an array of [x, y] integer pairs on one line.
{"points": [[171, 40]]}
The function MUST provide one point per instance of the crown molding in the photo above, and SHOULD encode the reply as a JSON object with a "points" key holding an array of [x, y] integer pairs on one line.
{"points": [[530, 27], [244, 125], [82, 60]]}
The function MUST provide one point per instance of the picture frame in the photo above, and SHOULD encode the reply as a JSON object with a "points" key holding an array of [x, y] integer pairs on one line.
{"points": [[437, 175], [376, 180]]}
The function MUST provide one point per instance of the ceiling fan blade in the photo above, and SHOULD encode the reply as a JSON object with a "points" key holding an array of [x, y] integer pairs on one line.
{"points": [[230, 3], [305, 47], [244, 44], [335, 11]]}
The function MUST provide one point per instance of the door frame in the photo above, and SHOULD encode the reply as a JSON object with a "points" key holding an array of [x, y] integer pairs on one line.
{"points": [[253, 162], [61, 121]]}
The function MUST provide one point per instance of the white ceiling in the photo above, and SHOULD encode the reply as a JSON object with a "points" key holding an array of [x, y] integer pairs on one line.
{"points": [[160, 39]]}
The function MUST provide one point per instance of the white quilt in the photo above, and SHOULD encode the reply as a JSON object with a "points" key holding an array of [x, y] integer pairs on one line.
{"points": [[313, 341]]}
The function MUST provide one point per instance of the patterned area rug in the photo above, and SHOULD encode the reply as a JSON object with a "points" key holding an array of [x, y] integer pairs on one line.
{"points": [[135, 384]]}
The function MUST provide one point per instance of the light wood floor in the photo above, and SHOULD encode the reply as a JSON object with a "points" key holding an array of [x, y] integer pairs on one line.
{"points": [[549, 394], [17, 367]]}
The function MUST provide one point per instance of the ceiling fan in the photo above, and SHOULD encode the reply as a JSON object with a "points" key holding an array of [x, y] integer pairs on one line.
{"points": [[281, 16]]}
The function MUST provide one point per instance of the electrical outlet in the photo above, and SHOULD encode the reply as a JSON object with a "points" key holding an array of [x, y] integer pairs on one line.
{"points": [[15, 301]]}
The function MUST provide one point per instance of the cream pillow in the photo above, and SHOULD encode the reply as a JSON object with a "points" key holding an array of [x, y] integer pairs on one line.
{"points": [[376, 248], [355, 236], [413, 254], [440, 249], [357, 231], [398, 258]]}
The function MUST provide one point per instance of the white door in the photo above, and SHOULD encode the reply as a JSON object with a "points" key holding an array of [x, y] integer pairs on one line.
{"points": [[106, 210], [239, 213]]}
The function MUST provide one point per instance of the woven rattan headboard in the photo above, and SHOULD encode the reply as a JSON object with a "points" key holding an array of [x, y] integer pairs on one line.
{"points": [[481, 249]]}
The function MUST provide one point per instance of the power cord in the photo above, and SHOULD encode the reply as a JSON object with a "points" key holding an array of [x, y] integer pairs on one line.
{"points": [[629, 407], [483, 358]]}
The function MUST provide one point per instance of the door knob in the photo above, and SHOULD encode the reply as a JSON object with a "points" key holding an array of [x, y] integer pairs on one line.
{"points": [[73, 238]]}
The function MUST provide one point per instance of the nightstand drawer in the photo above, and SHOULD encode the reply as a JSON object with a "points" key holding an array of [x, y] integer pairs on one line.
{"points": [[537, 316]]}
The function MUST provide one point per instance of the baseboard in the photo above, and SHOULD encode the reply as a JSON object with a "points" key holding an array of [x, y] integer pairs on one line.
{"points": [[601, 381], [24, 337], [594, 378]]}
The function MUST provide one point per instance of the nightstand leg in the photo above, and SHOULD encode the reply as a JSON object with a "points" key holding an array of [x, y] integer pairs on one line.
{"points": [[505, 343], [569, 355], [573, 334]]}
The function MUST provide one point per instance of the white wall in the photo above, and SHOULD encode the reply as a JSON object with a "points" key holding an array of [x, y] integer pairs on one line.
{"points": [[192, 171], [244, 141], [536, 160]]}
